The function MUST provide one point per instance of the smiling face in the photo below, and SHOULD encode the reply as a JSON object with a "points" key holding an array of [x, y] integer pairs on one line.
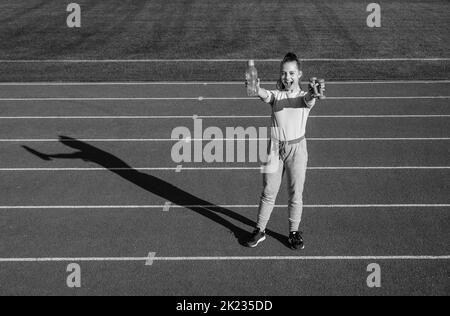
{"points": [[290, 75]]}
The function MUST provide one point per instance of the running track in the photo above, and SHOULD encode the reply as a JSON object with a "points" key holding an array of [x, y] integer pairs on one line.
{"points": [[377, 192]]}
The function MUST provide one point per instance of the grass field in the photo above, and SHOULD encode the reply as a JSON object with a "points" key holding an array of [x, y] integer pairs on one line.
{"points": [[218, 29]]}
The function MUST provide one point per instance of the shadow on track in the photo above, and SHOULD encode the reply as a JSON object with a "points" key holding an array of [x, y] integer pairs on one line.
{"points": [[156, 186]]}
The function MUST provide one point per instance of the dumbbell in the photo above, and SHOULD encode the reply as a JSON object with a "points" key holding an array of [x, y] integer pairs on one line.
{"points": [[317, 87]]}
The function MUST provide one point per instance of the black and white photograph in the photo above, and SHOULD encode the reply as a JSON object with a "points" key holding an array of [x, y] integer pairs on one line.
{"points": [[220, 155]]}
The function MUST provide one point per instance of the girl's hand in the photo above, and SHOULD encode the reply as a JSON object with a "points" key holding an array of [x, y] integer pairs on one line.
{"points": [[322, 89], [261, 92], [258, 83], [317, 88]]}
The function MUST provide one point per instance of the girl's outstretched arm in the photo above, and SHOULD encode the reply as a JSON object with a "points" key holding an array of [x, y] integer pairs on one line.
{"points": [[265, 95]]}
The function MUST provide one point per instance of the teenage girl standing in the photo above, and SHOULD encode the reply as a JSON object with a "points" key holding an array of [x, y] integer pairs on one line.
{"points": [[288, 150]]}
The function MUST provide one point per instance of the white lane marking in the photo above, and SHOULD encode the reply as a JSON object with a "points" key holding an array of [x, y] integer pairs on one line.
{"points": [[381, 139], [117, 99], [220, 60], [167, 206], [150, 258], [388, 98], [31, 99], [235, 258], [191, 83], [136, 117], [112, 140], [131, 117], [180, 168], [111, 207]]}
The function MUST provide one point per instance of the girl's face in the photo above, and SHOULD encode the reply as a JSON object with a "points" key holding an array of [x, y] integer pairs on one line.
{"points": [[290, 75]]}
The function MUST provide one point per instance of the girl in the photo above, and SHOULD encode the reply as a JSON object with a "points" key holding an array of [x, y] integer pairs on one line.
{"points": [[288, 152]]}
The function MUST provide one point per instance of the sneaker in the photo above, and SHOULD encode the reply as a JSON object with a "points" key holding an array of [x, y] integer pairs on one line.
{"points": [[296, 241], [256, 238]]}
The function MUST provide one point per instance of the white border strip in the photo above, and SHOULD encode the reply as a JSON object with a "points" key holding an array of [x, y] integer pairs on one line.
{"points": [[220, 168], [129, 140], [200, 98], [150, 117], [160, 207], [243, 258]]}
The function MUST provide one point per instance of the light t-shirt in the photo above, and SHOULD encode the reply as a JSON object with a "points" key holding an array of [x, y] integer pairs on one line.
{"points": [[289, 114]]}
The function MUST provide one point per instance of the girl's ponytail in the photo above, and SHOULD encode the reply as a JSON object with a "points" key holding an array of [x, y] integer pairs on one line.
{"points": [[290, 57]]}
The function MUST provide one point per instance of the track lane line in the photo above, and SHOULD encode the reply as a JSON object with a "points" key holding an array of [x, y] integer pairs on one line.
{"points": [[159, 207], [223, 258], [200, 98], [191, 83], [219, 168], [137, 117], [112, 140], [220, 60]]}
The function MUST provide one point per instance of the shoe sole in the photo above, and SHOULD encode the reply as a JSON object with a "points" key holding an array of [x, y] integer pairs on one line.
{"points": [[294, 247], [297, 248], [258, 242]]}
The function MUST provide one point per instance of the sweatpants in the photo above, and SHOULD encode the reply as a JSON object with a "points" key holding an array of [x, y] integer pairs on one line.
{"points": [[290, 160]]}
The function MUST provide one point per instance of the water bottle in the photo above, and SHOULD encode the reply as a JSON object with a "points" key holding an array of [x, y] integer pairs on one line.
{"points": [[251, 76]]}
